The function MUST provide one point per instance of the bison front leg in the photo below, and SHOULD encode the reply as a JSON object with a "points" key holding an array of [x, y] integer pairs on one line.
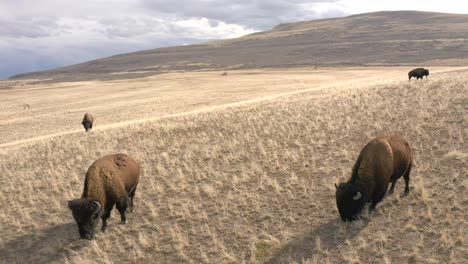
{"points": [[105, 216], [390, 192], [376, 198], [122, 207]]}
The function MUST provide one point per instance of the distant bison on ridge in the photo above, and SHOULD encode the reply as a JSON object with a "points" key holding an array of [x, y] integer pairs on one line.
{"points": [[87, 122], [110, 180], [383, 160], [418, 73]]}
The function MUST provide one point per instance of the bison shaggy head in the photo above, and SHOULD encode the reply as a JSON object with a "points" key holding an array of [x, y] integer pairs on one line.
{"points": [[426, 72], [86, 213], [349, 200], [87, 125]]}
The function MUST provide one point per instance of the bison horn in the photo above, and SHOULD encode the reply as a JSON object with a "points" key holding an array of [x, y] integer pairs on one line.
{"points": [[98, 205], [336, 186], [357, 196]]}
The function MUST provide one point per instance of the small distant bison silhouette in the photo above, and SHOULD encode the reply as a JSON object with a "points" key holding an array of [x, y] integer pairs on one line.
{"points": [[87, 122], [110, 180], [418, 73], [383, 160]]}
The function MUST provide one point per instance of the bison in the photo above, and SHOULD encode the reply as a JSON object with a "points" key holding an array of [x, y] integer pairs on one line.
{"points": [[418, 73], [110, 180], [383, 160], [87, 122]]}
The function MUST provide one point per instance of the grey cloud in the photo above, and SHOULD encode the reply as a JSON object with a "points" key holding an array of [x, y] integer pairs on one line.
{"points": [[27, 27], [213, 22], [124, 27], [254, 14], [67, 8], [133, 27]]}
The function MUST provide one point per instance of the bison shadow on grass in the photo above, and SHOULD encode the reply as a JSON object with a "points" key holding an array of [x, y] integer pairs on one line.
{"points": [[333, 234], [304, 246], [47, 245]]}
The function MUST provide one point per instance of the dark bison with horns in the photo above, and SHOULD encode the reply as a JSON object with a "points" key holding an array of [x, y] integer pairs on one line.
{"points": [[110, 180], [418, 73], [383, 160], [87, 122]]}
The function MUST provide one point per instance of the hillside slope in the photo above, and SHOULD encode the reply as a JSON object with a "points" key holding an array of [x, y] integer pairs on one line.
{"points": [[381, 38], [29, 111]]}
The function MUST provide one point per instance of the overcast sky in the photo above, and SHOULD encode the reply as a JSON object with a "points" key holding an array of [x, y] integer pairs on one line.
{"points": [[42, 34]]}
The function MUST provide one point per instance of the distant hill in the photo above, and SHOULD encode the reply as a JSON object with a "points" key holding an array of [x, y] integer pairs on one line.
{"points": [[380, 38]]}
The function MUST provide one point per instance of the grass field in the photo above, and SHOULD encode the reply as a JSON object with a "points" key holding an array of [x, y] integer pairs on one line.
{"points": [[238, 168]]}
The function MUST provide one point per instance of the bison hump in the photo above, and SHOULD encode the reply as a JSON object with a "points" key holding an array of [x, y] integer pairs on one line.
{"points": [[120, 160]]}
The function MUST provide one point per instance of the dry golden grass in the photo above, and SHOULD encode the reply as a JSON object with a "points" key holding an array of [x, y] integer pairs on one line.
{"points": [[33, 110], [251, 182], [43, 110]]}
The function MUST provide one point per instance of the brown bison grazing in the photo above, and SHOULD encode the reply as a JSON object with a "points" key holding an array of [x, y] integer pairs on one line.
{"points": [[418, 73], [383, 160], [87, 122], [110, 180]]}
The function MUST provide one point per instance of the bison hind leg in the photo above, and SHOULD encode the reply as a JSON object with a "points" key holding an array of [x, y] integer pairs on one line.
{"points": [[406, 176], [131, 195]]}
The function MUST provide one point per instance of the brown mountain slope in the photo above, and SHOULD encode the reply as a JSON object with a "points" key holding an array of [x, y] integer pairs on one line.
{"points": [[381, 38]]}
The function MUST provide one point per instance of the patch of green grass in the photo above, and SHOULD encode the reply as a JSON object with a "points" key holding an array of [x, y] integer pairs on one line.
{"points": [[263, 249]]}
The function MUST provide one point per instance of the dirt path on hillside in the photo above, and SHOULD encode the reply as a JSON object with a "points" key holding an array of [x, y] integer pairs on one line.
{"points": [[202, 110]]}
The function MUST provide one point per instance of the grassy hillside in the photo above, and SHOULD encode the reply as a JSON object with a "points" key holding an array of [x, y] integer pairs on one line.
{"points": [[29, 110], [381, 38], [254, 182]]}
